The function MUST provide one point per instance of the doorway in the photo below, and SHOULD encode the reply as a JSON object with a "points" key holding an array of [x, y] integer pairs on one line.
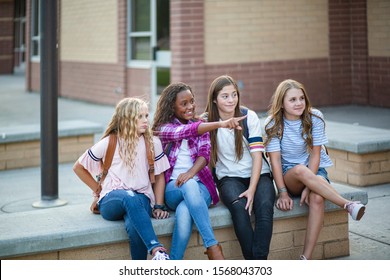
{"points": [[149, 42], [20, 36]]}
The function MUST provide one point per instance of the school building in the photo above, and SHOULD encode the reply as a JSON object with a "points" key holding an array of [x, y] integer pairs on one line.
{"points": [[109, 49]]}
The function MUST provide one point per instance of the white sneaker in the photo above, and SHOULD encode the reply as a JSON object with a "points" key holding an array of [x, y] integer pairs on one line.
{"points": [[303, 258], [160, 256], [355, 209]]}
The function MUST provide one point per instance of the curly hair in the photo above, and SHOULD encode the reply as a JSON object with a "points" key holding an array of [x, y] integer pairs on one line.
{"points": [[124, 124], [276, 113], [165, 111], [213, 116]]}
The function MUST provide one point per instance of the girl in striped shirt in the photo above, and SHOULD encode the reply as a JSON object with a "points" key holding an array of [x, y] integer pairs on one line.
{"points": [[295, 136]]}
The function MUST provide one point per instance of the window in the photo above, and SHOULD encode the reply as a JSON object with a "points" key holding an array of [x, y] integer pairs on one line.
{"points": [[35, 30], [140, 34]]}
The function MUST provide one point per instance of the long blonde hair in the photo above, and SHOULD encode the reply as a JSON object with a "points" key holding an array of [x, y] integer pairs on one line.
{"points": [[213, 116], [124, 124], [276, 113]]}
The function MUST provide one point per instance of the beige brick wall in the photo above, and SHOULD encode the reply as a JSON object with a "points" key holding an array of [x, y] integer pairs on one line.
{"points": [[360, 169], [89, 32], [239, 31], [287, 243], [378, 21], [28, 154]]}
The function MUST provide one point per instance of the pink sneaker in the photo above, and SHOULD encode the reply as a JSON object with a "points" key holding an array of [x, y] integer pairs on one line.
{"points": [[355, 209]]}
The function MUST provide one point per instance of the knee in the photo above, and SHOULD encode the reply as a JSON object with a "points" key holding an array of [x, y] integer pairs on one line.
{"points": [[316, 201], [191, 187], [183, 217], [301, 171]]}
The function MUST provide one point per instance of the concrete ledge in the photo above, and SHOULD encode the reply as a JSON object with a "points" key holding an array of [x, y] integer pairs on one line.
{"points": [[20, 146], [357, 139], [73, 227], [31, 132]]}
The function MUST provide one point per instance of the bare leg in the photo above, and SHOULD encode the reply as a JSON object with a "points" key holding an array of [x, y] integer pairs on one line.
{"points": [[300, 176], [314, 223]]}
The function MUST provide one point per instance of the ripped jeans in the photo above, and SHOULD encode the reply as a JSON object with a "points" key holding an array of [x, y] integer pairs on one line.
{"points": [[254, 242], [135, 209]]}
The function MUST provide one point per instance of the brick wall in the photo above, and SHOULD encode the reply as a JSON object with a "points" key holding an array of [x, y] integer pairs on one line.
{"points": [[6, 37], [343, 60], [187, 45], [93, 54], [378, 23]]}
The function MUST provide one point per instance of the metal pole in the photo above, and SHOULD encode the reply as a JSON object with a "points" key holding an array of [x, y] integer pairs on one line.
{"points": [[49, 104]]}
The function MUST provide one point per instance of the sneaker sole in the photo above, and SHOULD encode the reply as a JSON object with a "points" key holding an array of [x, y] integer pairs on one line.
{"points": [[360, 213]]}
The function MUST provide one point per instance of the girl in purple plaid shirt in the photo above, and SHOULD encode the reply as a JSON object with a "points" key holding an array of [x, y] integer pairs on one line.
{"points": [[190, 186]]}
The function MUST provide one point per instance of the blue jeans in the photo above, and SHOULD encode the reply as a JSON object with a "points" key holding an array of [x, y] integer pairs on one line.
{"points": [[190, 201], [135, 209], [255, 241]]}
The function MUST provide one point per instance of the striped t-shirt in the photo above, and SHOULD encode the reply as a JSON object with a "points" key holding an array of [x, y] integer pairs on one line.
{"points": [[292, 146]]}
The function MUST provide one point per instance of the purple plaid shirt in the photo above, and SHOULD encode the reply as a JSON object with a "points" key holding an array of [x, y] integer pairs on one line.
{"points": [[171, 136]]}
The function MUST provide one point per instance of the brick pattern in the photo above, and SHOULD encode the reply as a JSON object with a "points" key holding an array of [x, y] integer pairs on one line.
{"points": [[359, 64], [360, 169], [6, 37], [347, 75], [89, 32], [378, 23], [259, 80], [138, 83], [340, 46], [187, 47], [379, 81], [28, 154], [287, 243], [246, 31], [93, 82]]}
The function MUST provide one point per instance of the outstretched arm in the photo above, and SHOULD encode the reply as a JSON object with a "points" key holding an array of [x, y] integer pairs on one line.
{"points": [[229, 123]]}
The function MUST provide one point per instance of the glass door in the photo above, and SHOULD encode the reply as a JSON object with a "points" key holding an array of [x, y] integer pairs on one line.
{"points": [[149, 42]]}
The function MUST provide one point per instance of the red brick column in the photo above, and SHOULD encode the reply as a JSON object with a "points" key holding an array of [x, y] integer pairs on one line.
{"points": [[340, 51], [187, 47], [360, 93]]}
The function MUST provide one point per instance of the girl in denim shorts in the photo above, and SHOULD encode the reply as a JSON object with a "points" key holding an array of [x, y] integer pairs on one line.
{"points": [[295, 138]]}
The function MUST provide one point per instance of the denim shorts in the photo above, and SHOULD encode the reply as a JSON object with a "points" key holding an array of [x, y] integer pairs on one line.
{"points": [[321, 171]]}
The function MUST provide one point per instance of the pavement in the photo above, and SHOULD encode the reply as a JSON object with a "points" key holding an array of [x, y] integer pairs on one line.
{"points": [[20, 188]]}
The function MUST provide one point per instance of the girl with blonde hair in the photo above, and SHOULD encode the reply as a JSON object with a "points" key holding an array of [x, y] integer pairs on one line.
{"points": [[295, 136], [127, 193]]}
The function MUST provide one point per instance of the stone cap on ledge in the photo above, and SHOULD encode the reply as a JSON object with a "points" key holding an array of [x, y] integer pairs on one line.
{"points": [[32, 132], [74, 226], [357, 139]]}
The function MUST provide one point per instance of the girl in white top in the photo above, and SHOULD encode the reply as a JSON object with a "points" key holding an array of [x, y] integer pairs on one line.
{"points": [[243, 176], [295, 135], [127, 192]]}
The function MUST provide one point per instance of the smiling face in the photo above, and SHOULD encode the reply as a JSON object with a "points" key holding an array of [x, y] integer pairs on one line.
{"points": [[294, 104], [142, 120], [184, 106], [227, 100]]}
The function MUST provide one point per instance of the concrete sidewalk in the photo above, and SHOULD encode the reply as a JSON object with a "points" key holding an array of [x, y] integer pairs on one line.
{"points": [[19, 188]]}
